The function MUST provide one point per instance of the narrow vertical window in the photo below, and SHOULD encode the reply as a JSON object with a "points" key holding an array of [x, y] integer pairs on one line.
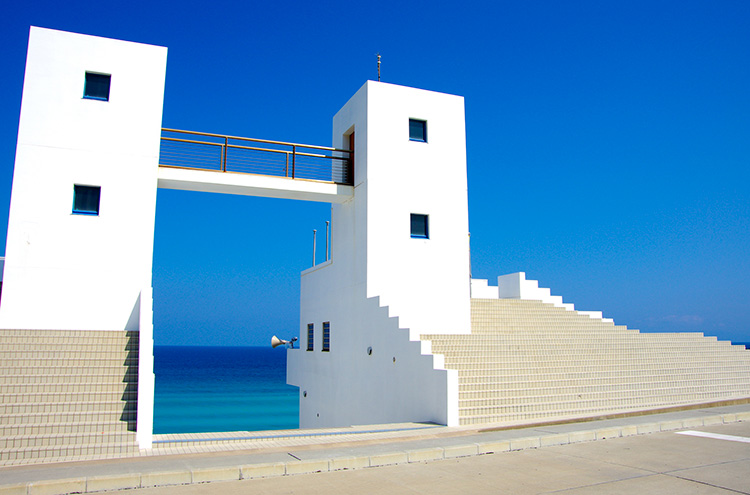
{"points": [[420, 226], [310, 336], [86, 200], [418, 130], [326, 336], [96, 86]]}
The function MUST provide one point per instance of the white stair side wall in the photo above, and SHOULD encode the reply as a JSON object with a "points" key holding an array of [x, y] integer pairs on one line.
{"points": [[146, 378], [480, 289], [397, 382], [516, 286]]}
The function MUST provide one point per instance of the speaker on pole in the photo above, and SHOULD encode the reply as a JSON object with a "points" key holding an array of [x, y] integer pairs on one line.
{"points": [[275, 342]]}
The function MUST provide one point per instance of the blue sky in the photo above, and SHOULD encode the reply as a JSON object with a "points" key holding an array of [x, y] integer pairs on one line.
{"points": [[608, 145]]}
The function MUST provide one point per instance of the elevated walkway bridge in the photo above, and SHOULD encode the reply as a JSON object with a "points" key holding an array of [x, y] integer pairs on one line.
{"points": [[200, 161]]}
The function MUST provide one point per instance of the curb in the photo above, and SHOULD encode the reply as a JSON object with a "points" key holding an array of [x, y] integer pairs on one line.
{"points": [[94, 484]]}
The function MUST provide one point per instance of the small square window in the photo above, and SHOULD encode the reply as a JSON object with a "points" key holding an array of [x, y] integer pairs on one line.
{"points": [[310, 335], [86, 200], [417, 130], [97, 86], [326, 336], [419, 226]]}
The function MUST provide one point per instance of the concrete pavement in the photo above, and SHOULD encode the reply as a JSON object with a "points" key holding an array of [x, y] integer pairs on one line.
{"points": [[633, 454], [658, 463]]}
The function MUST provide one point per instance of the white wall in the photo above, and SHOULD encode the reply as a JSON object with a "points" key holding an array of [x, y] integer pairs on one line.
{"points": [[481, 289], [345, 386], [67, 271], [425, 282]]}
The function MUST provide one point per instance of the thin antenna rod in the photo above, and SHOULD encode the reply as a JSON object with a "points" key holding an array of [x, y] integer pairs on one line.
{"points": [[378, 67], [315, 233]]}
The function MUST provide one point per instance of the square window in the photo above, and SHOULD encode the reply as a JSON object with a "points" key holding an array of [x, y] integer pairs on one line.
{"points": [[326, 336], [418, 130], [97, 86], [310, 335], [419, 226], [86, 200]]}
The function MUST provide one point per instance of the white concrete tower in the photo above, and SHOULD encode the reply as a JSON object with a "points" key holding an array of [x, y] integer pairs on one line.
{"points": [[410, 148], [80, 233], [401, 242]]}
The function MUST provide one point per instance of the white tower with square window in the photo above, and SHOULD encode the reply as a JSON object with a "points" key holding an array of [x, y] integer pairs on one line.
{"points": [[400, 248], [411, 192], [81, 225]]}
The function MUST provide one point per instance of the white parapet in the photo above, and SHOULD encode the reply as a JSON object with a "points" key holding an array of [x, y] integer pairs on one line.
{"points": [[480, 289], [146, 378], [516, 286]]}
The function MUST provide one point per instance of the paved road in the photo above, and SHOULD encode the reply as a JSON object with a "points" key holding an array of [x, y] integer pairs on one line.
{"points": [[659, 463]]}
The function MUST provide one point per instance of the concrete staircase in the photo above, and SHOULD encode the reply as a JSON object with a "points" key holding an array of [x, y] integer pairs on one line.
{"points": [[66, 393], [529, 361]]}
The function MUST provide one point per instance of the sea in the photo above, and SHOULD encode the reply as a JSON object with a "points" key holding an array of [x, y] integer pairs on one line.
{"points": [[208, 389]]}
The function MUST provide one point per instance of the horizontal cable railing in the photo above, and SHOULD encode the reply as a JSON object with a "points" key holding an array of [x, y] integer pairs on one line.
{"points": [[206, 151]]}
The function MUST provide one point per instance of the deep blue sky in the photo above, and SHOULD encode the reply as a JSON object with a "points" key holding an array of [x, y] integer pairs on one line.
{"points": [[608, 145]]}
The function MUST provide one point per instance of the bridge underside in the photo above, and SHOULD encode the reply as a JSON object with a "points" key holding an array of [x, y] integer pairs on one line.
{"points": [[253, 185]]}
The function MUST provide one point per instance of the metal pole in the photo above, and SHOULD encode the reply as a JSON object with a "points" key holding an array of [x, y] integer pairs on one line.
{"points": [[315, 233], [294, 156], [328, 236], [224, 160]]}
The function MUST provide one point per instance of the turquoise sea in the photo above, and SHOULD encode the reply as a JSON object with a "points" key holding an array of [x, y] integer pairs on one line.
{"points": [[205, 389]]}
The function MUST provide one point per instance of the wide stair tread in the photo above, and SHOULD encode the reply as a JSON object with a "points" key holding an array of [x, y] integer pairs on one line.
{"points": [[528, 360], [67, 394]]}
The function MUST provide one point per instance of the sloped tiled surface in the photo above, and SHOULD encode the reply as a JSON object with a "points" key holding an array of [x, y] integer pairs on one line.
{"points": [[527, 361], [67, 393]]}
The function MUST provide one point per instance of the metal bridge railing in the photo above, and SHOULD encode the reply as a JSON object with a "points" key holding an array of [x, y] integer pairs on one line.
{"points": [[206, 151]]}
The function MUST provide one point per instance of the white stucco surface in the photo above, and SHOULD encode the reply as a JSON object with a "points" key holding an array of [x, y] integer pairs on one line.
{"points": [[425, 282], [480, 289], [69, 271], [373, 373]]}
